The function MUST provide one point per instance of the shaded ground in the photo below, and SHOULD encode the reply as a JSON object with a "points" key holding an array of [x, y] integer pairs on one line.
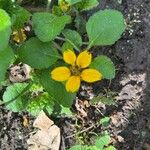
{"points": [[131, 118]]}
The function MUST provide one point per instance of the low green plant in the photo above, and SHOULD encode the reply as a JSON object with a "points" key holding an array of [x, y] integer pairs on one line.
{"points": [[59, 57], [107, 98], [101, 143], [104, 121]]}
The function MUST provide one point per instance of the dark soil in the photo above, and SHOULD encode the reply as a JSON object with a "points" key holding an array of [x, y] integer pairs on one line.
{"points": [[130, 120]]}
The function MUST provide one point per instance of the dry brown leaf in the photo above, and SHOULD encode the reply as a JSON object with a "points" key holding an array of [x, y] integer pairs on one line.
{"points": [[42, 122], [81, 108], [19, 73], [47, 138], [25, 121]]}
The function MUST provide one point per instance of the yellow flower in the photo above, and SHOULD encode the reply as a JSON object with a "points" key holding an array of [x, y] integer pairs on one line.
{"points": [[19, 36], [77, 71], [64, 6]]}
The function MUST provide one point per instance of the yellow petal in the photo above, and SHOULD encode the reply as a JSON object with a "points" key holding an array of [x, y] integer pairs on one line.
{"points": [[91, 75], [60, 73], [73, 84], [69, 57], [84, 59]]}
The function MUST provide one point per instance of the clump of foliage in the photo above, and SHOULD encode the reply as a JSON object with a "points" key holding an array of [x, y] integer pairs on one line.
{"points": [[59, 57], [101, 143]]}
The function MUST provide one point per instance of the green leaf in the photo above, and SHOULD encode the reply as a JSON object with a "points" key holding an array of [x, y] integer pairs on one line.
{"points": [[76, 147], [110, 148], [108, 101], [102, 141], [83, 147], [105, 27], [56, 10], [80, 24], [66, 111], [14, 92], [5, 29], [7, 5], [105, 121], [92, 148], [73, 38], [37, 54], [87, 4], [39, 103], [19, 17], [103, 99], [67, 45], [56, 89], [71, 2], [104, 65], [6, 57], [47, 26]]}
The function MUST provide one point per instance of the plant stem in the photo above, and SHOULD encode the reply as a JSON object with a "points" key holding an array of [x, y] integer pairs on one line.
{"points": [[85, 43], [89, 45], [57, 47], [63, 39], [48, 5], [60, 38], [85, 130]]}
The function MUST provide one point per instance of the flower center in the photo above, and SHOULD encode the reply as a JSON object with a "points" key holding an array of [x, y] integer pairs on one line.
{"points": [[75, 70]]}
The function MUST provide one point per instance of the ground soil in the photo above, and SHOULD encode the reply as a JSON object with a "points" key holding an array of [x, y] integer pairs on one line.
{"points": [[130, 120]]}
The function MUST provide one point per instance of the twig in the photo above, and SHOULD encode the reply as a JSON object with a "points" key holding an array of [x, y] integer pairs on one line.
{"points": [[63, 147], [85, 130]]}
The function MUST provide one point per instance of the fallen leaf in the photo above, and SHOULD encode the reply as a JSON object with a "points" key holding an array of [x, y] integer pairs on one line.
{"points": [[47, 138], [19, 73], [80, 108], [25, 121], [42, 122]]}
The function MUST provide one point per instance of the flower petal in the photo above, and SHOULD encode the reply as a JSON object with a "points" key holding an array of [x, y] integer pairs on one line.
{"points": [[73, 84], [91, 75], [60, 73], [84, 59], [69, 57]]}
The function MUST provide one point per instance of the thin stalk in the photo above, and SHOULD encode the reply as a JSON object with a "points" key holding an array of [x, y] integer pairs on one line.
{"points": [[60, 38], [89, 45], [63, 39], [85, 43], [57, 47], [82, 131], [48, 5]]}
